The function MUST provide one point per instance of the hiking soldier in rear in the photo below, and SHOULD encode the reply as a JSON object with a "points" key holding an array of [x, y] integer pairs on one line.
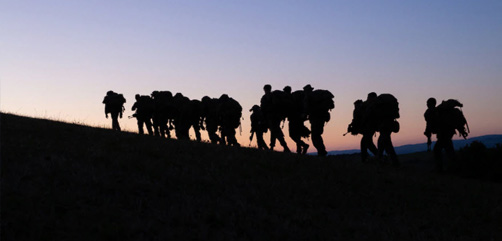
{"points": [[430, 117], [450, 120], [383, 114], [162, 112], [114, 105], [258, 127], [211, 117], [366, 131], [296, 120], [144, 108], [230, 115], [317, 105], [274, 113], [361, 124], [182, 116]]}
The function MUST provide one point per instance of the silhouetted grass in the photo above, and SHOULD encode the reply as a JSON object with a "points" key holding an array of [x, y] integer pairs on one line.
{"points": [[477, 161], [68, 182]]}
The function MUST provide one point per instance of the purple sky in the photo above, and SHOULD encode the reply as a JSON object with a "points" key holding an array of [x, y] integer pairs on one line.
{"points": [[59, 58]]}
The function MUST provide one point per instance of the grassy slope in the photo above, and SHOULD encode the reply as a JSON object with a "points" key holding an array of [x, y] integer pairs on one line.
{"points": [[69, 182]]}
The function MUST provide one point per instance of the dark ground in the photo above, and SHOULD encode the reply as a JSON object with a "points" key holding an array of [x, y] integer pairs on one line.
{"points": [[69, 182]]}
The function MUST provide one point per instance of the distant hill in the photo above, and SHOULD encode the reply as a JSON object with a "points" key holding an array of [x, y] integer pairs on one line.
{"points": [[62, 181], [489, 141]]}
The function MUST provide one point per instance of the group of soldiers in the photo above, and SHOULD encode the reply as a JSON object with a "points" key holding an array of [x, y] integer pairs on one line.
{"points": [[297, 107], [161, 112]]}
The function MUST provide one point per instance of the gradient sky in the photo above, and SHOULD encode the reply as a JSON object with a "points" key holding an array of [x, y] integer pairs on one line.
{"points": [[59, 58]]}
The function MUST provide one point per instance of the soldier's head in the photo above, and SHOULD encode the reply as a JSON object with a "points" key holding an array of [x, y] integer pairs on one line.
{"points": [[224, 97], [358, 103], [255, 108], [431, 102], [205, 99], [137, 96], [154, 93], [371, 96], [308, 88], [110, 93], [178, 95], [267, 88], [287, 89]]}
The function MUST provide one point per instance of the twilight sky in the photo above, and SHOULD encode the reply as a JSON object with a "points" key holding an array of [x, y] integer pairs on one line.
{"points": [[58, 58]]}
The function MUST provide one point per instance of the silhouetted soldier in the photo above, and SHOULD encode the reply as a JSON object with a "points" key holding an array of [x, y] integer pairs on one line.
{"points": [[162, 112], [114, 105], [182, 120], [386, 111], [230, 114], [210, 116], [273, 114], [144, 110], [366, 130], [258, 127], [430, 116], [317, 105], [449, 120], [296, 119], [196, 118]]}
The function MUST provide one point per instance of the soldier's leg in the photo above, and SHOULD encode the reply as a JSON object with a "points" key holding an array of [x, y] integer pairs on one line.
{"points": [[449, 149], [317, 128], [211, 132], [148, 124], [364, 148], [438, 157], [279, 135], [259, 139], [231, 137], [115, 121], [140, 125], [196, 129], [156, 126], [389, 148], [370, 145]]}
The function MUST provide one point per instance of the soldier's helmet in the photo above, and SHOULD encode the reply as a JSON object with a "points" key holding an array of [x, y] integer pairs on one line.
{"points": [[371, 96], [255, 108], [110, 93], [287, 89], [308, 88], [224, 97], [205, 98], [431, 102], [267, 88]]}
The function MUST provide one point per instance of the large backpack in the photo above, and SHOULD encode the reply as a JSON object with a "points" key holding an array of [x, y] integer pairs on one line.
{"points": [[114, 103], [382, 113], [145, 105], [450, 117], [356, 126], [321, 101], [387, 107], [234, 112]]}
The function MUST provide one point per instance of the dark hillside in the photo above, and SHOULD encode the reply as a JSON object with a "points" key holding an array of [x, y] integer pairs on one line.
{"points": [[68, 182]]}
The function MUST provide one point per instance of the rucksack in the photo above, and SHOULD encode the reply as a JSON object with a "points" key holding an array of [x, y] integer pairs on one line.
{"points": [[320, 101], [145, 104], [450, 117], [231, 112], [114, 103], [387, 106], [382, 113], [356, 126]]}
